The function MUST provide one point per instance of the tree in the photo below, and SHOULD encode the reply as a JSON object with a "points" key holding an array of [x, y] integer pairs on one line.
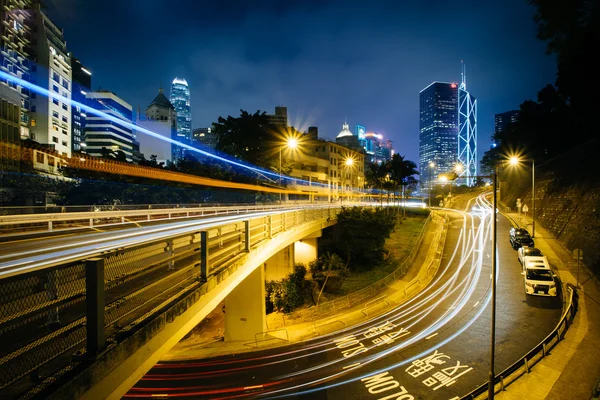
{"points": [[249, 137], [572, 31]]}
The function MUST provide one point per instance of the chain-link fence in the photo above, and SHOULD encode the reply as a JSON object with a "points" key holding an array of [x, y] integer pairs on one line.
{"points": [[48, 315]]}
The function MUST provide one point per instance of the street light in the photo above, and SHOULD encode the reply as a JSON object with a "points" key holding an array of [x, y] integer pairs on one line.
{"points": [[494, 176], [291, 144], [349, 163], [431, 167], [516, 161]]}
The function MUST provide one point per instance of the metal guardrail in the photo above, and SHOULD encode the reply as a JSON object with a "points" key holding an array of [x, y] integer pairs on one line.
{"points": [[524, 364], [52, 222], [86, 306]]}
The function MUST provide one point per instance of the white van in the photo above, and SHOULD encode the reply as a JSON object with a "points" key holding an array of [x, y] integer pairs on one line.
{"points": [[539, 280]]}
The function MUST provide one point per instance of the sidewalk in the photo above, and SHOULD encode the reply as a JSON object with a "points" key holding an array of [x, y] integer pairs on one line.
{"points": [[571, 370], [205, 340]]}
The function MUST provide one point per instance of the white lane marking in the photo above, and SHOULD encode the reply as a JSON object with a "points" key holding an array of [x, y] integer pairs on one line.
{"points": [[351, 366]]}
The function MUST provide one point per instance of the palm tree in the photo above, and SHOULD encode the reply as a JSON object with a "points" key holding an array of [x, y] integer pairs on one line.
{"points": [[402, 172]]}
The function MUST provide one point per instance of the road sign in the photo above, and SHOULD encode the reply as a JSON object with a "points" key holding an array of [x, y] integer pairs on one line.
{"points": [[578, 254], [525, 208]]}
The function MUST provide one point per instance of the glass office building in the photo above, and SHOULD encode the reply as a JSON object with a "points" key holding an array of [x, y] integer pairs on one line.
{"points": [[180, 98], [438, 130]]}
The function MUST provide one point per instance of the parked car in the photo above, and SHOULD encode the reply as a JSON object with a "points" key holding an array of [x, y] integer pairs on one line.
{"points": [[539, 281], [520, 237], [525, 251], [536, 262]]}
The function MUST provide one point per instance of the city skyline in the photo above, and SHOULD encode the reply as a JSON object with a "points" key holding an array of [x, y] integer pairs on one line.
{"points": [[360, 79]]}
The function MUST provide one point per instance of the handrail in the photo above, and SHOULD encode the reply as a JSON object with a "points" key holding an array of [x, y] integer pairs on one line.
{"points": [[541, 347]]}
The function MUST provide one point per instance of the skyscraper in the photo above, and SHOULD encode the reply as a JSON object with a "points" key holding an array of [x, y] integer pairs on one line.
{"points": [[180, 98], [501, 121], [438, 130], [467, 133]]}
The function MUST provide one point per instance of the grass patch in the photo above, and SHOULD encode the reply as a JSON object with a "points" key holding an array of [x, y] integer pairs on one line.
{"points": [[398, 245]]}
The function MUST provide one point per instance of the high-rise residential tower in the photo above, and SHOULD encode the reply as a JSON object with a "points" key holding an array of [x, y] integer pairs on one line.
{"points": [[180, 99], [438, 130], [467, 133], [51, 116]]}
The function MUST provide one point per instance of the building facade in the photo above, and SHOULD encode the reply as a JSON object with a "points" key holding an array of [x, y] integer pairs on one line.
{"points": [[107, 133], [161, 119], [501, 121], [50, 117], [180, 99], [82, 83], [16, 29], [10, 126], [280, 118], [438, 130], [467, 134], [204, 137]]}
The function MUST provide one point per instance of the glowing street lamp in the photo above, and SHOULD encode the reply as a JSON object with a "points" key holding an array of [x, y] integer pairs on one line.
{"points": [[349, 163], [514, 160], [431, 167], [291, 144]]}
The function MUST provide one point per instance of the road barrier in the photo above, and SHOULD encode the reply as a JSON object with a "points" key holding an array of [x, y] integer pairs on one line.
{"points": [[63, 221], [85, 307], [525, 363]]}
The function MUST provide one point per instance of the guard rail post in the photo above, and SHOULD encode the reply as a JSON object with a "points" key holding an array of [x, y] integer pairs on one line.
{"points": [[270, 222], [94, 305], [247, 236], [203, 255]]}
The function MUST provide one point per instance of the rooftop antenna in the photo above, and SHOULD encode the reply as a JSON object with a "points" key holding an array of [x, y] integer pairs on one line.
{"points": [[463, 75]]}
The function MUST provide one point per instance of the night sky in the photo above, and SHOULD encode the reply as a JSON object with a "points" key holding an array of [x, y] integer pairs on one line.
{"points": [[364, 61]]}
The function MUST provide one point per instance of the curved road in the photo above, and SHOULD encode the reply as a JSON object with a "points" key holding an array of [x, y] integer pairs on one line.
{"points": [[434, 346]]}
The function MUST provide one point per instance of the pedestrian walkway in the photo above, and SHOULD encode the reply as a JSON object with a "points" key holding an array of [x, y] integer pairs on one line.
{"points": [[573, 367], [205, 341]]}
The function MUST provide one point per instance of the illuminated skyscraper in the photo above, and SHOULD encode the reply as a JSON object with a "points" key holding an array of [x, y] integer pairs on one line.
{"points": [[467, 133], [438, 136], [180, 98]]}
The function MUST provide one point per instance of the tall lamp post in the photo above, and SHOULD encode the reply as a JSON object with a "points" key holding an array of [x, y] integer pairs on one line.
{"points": [[291, 144], [494, 176], [431, 167], [349, 163], [515, 161]]}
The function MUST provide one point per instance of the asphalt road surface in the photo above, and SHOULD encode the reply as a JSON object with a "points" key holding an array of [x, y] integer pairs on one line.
{"points": [[434, 346]]}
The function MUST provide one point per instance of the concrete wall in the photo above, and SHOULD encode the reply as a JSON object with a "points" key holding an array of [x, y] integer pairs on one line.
{"points": [[280, 265], [245, 308]]}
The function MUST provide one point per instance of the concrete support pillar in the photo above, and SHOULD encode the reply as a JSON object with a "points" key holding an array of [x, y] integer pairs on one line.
{"points": [[305, 251], [280, 265], [245, 308]]}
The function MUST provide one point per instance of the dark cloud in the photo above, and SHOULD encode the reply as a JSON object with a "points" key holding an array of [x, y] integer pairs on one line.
{"points": [[326, 60]]}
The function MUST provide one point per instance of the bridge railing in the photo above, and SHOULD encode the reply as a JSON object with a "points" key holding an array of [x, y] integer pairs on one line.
{"points": [[57, 318], [525, 363], [61, 221]]}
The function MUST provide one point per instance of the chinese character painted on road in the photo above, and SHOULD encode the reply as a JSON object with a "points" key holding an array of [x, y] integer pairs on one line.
{"points": [[379, 329], [447, 376], [419, 367], [390, 337]]}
